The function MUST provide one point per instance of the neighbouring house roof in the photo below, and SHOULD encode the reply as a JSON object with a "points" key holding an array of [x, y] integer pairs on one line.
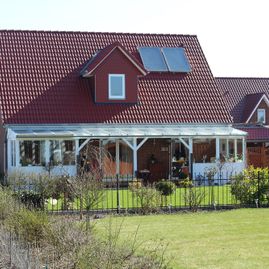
{"points": [[242, 95], [256, 133], [40, 81]]}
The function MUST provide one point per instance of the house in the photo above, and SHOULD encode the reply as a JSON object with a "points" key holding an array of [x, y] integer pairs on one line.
{"points": [[247, 101], [149, 100]]}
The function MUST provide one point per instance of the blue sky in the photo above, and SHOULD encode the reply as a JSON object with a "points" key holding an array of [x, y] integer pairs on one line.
{"points": [[233, 33]]}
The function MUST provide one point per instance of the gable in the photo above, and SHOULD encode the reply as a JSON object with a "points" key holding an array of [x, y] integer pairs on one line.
{"points": [[118, 64], [263, 104]]}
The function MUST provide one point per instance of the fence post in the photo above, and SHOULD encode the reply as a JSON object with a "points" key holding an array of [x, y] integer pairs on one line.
{"points": [[259, 194], [118, 194]]}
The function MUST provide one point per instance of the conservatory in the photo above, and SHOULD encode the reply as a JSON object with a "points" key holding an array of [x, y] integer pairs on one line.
{"points": [[135, 149]]}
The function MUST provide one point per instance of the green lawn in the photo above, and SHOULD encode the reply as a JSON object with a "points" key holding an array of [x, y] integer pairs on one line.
{"points": [[219, 194], [236, 239]]}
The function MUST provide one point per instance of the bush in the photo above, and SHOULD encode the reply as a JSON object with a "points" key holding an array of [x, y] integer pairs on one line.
{"points": [[30, 226], [148, 198], [193, 197], [251, 184], [8, 203], [165, 187], [31, 199]]}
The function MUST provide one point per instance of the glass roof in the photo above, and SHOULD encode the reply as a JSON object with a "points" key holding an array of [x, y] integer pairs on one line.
{"points": [[131, 131]]}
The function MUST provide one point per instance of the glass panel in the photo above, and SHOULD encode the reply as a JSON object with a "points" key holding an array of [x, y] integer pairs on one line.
{"points": [[239, 150], [68, 152], [231, 150], [32, 153], [13, 152], [109, 158], [153, 59], [116, 85], [261, 115], [126, 159], [55, 152], [204, 150], [223, 150], [176, 60]]}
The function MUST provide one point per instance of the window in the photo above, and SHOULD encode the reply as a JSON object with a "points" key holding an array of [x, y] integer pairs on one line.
{"points": [[261, 115], [116, 86], [32, 153], [62, 152]]}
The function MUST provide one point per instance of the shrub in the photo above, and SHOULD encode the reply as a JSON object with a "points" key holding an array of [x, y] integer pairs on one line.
{"points": [[251, 184], [31, 199], [193, 197], [30, 226], [148, 198], [165, 187], [8, 203]]}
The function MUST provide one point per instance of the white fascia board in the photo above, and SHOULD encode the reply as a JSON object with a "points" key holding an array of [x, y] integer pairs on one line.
{"points": [[264, 97]]}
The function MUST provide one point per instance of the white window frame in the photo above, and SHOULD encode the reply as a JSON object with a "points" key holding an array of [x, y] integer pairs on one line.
{"points": [[259, 110], [116, 97]]}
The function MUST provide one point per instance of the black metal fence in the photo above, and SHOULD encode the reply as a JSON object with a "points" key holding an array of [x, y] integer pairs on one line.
{"points": [[129, 194]]}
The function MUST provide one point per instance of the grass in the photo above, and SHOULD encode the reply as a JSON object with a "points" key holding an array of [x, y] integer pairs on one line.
{"points": [[236, 239], [219, 194]]}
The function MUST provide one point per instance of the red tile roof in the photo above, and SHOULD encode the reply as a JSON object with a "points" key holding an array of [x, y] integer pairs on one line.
{"points": [[240, 95], [40, 81], [256, 133]]}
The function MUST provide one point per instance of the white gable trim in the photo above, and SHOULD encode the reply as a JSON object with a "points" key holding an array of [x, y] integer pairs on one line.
{"points": [[264, 97], [88, 74]]}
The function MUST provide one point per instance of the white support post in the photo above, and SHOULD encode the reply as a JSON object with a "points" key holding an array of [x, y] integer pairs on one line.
{"points": [[190, 157], [47, 151], [141, 143], [82, 145], [244, 150], [17, 150], [235, 149], [184, 143], [77, 153], [117, 156], [217, 149], [134, 155], [128, 143]]}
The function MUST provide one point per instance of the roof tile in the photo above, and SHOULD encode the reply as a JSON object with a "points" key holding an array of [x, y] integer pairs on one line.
{"points": [[40, 81]]}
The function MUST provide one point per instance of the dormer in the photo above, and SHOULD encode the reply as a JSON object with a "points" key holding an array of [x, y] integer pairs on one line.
{"points": [[114, 75], [256, 109]]}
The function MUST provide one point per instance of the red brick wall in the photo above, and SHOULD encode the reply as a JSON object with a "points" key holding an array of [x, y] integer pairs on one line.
{"points": [[116, 63], [254, 118], [160, 169]]}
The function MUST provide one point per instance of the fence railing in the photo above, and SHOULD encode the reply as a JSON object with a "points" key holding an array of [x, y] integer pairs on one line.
{"points": [[128, 194]]}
